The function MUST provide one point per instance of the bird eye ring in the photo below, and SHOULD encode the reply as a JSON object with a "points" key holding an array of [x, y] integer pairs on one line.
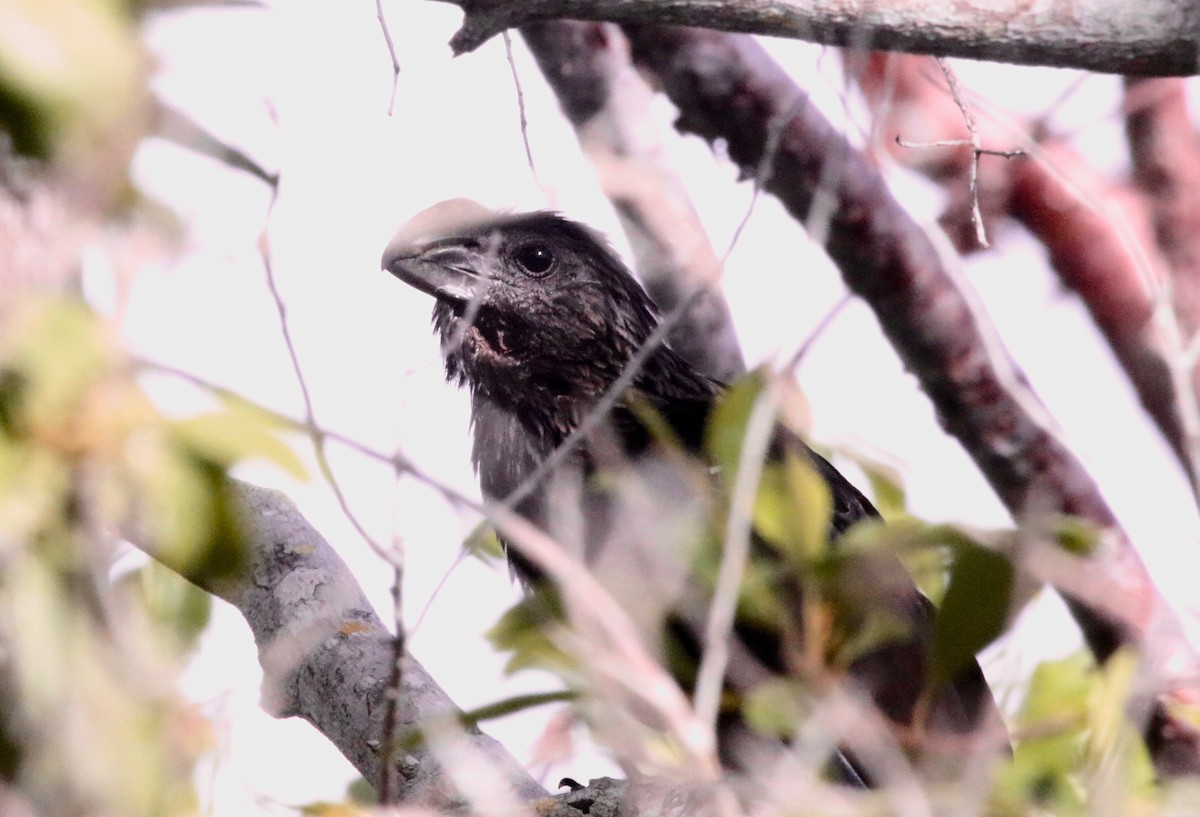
{"points": [[535, 259]]}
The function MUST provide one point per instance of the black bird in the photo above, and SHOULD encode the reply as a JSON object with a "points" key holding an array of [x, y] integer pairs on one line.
{"points": [[539, 318]]}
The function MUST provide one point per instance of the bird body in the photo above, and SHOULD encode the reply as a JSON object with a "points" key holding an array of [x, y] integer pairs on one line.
{"points": [[539, 319]]}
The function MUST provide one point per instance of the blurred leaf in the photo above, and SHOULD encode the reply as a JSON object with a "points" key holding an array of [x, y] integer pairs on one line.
{"points": [[54, 352], [1114, 747], [655, 423], [70, 71], [974, 611], [513, 705], [727, 424], [484, 543], [1049, 734], [525, 632], [13, 388], [322, 808], [887, 488], [172, 602], [33, 482], [361, 792], [776, 707], [1075, 535], [793, 508], [871, 631], [191, 512], [239, 432], [887, 483]]}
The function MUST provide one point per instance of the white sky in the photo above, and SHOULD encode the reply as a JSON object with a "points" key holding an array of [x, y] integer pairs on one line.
{"points": [[304, 88]]}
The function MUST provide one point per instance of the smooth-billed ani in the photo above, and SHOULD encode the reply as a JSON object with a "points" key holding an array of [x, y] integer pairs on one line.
{"points": [[539, 319]]}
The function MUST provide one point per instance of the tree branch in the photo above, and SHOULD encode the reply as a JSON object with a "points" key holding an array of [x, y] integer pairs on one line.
{"points": [[726, 87], [327, 657], [1154, 37], [1098, 233]]}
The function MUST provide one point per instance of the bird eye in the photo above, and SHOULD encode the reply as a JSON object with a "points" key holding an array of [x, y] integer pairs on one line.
{"points": [[535, 259]]}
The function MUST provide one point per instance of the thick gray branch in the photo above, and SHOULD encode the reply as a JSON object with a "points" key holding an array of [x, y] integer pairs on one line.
{"points": [[327, 657], [1159, 37]]}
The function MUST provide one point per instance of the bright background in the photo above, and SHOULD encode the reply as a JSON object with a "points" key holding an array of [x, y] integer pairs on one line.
{"points": [[304, 89]]}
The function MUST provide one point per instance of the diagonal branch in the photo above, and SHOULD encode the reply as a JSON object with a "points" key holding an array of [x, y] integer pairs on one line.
{"points": [[327, 656]]}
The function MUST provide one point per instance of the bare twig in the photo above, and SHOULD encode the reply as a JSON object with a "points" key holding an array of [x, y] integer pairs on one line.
{"points": [[718, 629], [393, 556], [310, 419], [388, 792], [516, 78], [391, 47], [975, 143]]}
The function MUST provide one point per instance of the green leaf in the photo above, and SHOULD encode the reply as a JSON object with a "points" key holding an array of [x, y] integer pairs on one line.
{"points": [[887, 484], [776, 707], [361, 792], [177, 605], [727, 424], [887, 487], [792, 509], [193, 514], [1051, 726], [239, 432], [70, 70], [974, 611], [513, 705], [484, 544], [871, 632], [1076, 535], [526, 631], [53, 353]]}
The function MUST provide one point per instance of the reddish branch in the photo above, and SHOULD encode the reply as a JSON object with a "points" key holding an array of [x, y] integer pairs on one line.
{"points": [[1073, 211], [1097, 233], [1166, 169], [728, 89]]}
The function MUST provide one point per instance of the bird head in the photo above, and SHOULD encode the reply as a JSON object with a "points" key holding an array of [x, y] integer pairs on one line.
{"points": [[529, 306]]}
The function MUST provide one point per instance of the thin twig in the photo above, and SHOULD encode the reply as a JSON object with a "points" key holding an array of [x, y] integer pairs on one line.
{"points": [[310, 420], [395, 684], [817, 331], [512, 67], [392, 557], [723, 609], [975, 142], [391, 47]]}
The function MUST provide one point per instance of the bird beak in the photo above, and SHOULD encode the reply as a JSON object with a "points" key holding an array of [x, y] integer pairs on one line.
{"points": [[425, 253], [446, 271]]}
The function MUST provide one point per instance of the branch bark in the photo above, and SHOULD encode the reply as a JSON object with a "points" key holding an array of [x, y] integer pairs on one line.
{"points": [[1100, 234], [1155, 37], [327, 657], [727, 88]]}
